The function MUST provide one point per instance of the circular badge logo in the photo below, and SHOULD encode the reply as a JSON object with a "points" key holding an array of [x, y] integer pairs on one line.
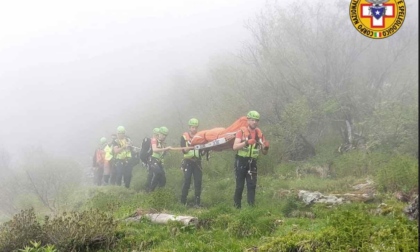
{"points": [[377, 19]]}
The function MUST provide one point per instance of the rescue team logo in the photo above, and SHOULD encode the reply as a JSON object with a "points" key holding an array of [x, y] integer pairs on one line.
{"points": [[377, 19]]}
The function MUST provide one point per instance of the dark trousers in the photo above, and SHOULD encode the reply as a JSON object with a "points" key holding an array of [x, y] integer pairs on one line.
{"points": [[113, 175], [149, 178], [109, 175], [123, 171], [191, 168], [245, 170], [158, 174], [98, 175]]}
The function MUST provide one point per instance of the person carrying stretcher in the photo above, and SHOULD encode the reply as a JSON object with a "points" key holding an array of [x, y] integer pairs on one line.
{"points": [[191, 164], [157, 160], [249, 142]]}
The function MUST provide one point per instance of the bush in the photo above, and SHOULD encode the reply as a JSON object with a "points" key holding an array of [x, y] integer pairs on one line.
{"points": [[68, 232], [401, 173], [351, 229], [80, 231], [18, 232], [290, 204], [358, 164]]}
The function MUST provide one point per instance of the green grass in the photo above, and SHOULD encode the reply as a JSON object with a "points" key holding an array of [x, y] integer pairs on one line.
{"points": [[278, 222]]}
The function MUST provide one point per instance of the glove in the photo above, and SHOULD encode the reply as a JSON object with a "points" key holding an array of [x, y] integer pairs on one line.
{"points": [[250, 142], [266, 145]]}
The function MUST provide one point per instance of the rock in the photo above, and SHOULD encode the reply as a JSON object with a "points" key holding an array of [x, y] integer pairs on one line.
{"points": [[318, 171], [369, 183], [163, 218], [278, 223], [401, 196], [412, 210], [364, 192], [383, 209], [252, 249], [317, 197], [356, 197], [309, 197]]}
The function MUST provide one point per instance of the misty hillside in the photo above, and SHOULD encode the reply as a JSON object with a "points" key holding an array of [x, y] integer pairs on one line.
{"points": [[338, 114]]}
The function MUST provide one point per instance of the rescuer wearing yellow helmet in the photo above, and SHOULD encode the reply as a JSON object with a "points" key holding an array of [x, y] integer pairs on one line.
{"points": [[99, 162], [249, 142], [191, 164], [157, 159], [149, 171], [121, 147]]}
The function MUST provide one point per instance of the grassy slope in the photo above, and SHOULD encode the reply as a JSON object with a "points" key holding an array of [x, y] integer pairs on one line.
{"points": [[277, 223]]}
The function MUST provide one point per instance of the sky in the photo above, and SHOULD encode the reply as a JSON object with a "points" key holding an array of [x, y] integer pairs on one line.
{"points": [[68, 67]]}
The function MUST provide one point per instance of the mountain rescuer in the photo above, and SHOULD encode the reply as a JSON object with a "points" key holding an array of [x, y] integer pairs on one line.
{"points": [[249, 142], [156, 160], [108, 163], [121, 147], [113, 175], [98, 162], [191, 164], [149, 171]]}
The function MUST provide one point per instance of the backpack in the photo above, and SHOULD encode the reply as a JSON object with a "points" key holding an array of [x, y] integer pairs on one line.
{"points": [[135, 159], [146, 150]]}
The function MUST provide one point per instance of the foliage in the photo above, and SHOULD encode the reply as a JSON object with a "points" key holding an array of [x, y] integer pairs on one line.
{"points": [[314, 95], [36, 247], [72, 231], [400, 173], [49, 178], [80, 231], [395, 127], [290, 204], [351, 230], [358, 163], [17, 233]]}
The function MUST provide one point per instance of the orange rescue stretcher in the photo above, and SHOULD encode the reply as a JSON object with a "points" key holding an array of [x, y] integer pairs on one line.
{"points": [[218, 139]]}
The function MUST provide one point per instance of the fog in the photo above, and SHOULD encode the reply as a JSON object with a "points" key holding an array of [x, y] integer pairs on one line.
{"points": [[334, 106], [72, 72]]}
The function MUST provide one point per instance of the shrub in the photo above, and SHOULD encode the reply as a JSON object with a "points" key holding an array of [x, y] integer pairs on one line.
{"points": [[18, 232], [68, 232], [351, 230], [401, 173], [290, 204], [358, 163], [80, 231]]}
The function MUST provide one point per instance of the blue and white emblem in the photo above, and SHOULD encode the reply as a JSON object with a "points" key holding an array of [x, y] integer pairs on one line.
{"points": [[377, 10]]}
